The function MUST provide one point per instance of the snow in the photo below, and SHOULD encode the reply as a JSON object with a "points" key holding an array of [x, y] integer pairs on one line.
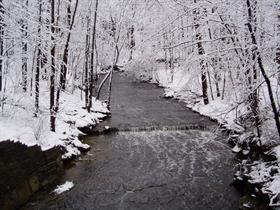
{"points": [[248, 205], [273, 188], [236, 149], [220, 110], [276, 151], [18, 124], [67, 186], [107, 127], [266, 176]]}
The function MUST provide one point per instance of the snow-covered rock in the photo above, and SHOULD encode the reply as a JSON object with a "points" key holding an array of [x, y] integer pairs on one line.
{"points": [[67, 186]]}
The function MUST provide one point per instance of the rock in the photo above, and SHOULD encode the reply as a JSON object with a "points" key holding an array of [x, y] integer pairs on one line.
{"points": [[25, 170]]}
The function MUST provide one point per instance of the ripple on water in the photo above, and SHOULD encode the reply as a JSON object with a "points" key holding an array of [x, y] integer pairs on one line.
{"points": [[152, 170]]}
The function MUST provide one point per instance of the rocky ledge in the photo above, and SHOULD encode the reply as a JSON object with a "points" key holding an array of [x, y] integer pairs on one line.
{"points": [[25, 170]]}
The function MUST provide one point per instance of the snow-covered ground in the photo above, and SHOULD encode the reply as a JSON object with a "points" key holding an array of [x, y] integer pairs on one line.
{"points": [[18, 124]]}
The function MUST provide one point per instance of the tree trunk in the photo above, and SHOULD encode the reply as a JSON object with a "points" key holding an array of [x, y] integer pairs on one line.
{"points": [[252, 73], [278, 50], [64, 61], [131, 42], [86, 83], [64, 68], [201, 52], [103, 82], [93, 44], [210, 86], [117, 55], [37, 73], [69, 13], [110, 90], [216, 76], [52, 74], [24, 29], [224, 86], [37, 84], [32, 69], [131, 35]]}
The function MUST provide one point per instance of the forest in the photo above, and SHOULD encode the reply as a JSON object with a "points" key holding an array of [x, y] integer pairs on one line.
{"points": [[224, 51], [220, 57]]}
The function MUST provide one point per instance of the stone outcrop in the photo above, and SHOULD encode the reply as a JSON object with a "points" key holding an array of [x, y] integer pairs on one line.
{"points": [[25, 170]]}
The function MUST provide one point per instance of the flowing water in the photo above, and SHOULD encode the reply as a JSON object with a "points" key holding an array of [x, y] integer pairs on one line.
{"points": [[164, 157]]}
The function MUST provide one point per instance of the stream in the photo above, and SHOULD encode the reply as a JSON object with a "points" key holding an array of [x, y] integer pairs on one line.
{"points": [[164, 157]]}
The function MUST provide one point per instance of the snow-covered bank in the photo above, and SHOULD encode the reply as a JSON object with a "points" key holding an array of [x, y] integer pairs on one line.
{"points": [[265, 178], [18, 124], [261, 176]]}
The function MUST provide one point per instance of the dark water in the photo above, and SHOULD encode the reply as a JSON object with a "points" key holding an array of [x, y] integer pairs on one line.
{"points": [[158, 169]]}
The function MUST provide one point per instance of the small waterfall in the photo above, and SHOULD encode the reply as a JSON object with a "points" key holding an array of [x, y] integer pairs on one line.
{"points": [[161, 128]]}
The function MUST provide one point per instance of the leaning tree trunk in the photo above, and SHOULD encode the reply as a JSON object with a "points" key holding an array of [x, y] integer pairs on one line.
{"points": [[278, 49], [64, 60], [110, 89], [260, 63], [252, 73]]}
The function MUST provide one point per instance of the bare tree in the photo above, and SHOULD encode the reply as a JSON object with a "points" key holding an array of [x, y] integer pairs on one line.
{"points": [[64, 66], [201, 52], [37, 72], [251, 7], [52, 73], [93, 45], [24, 29], [86, 74]]}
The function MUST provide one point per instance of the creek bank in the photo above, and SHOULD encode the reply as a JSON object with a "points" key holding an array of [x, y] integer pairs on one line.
{"points": [[24, 171], [258, 172]]}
